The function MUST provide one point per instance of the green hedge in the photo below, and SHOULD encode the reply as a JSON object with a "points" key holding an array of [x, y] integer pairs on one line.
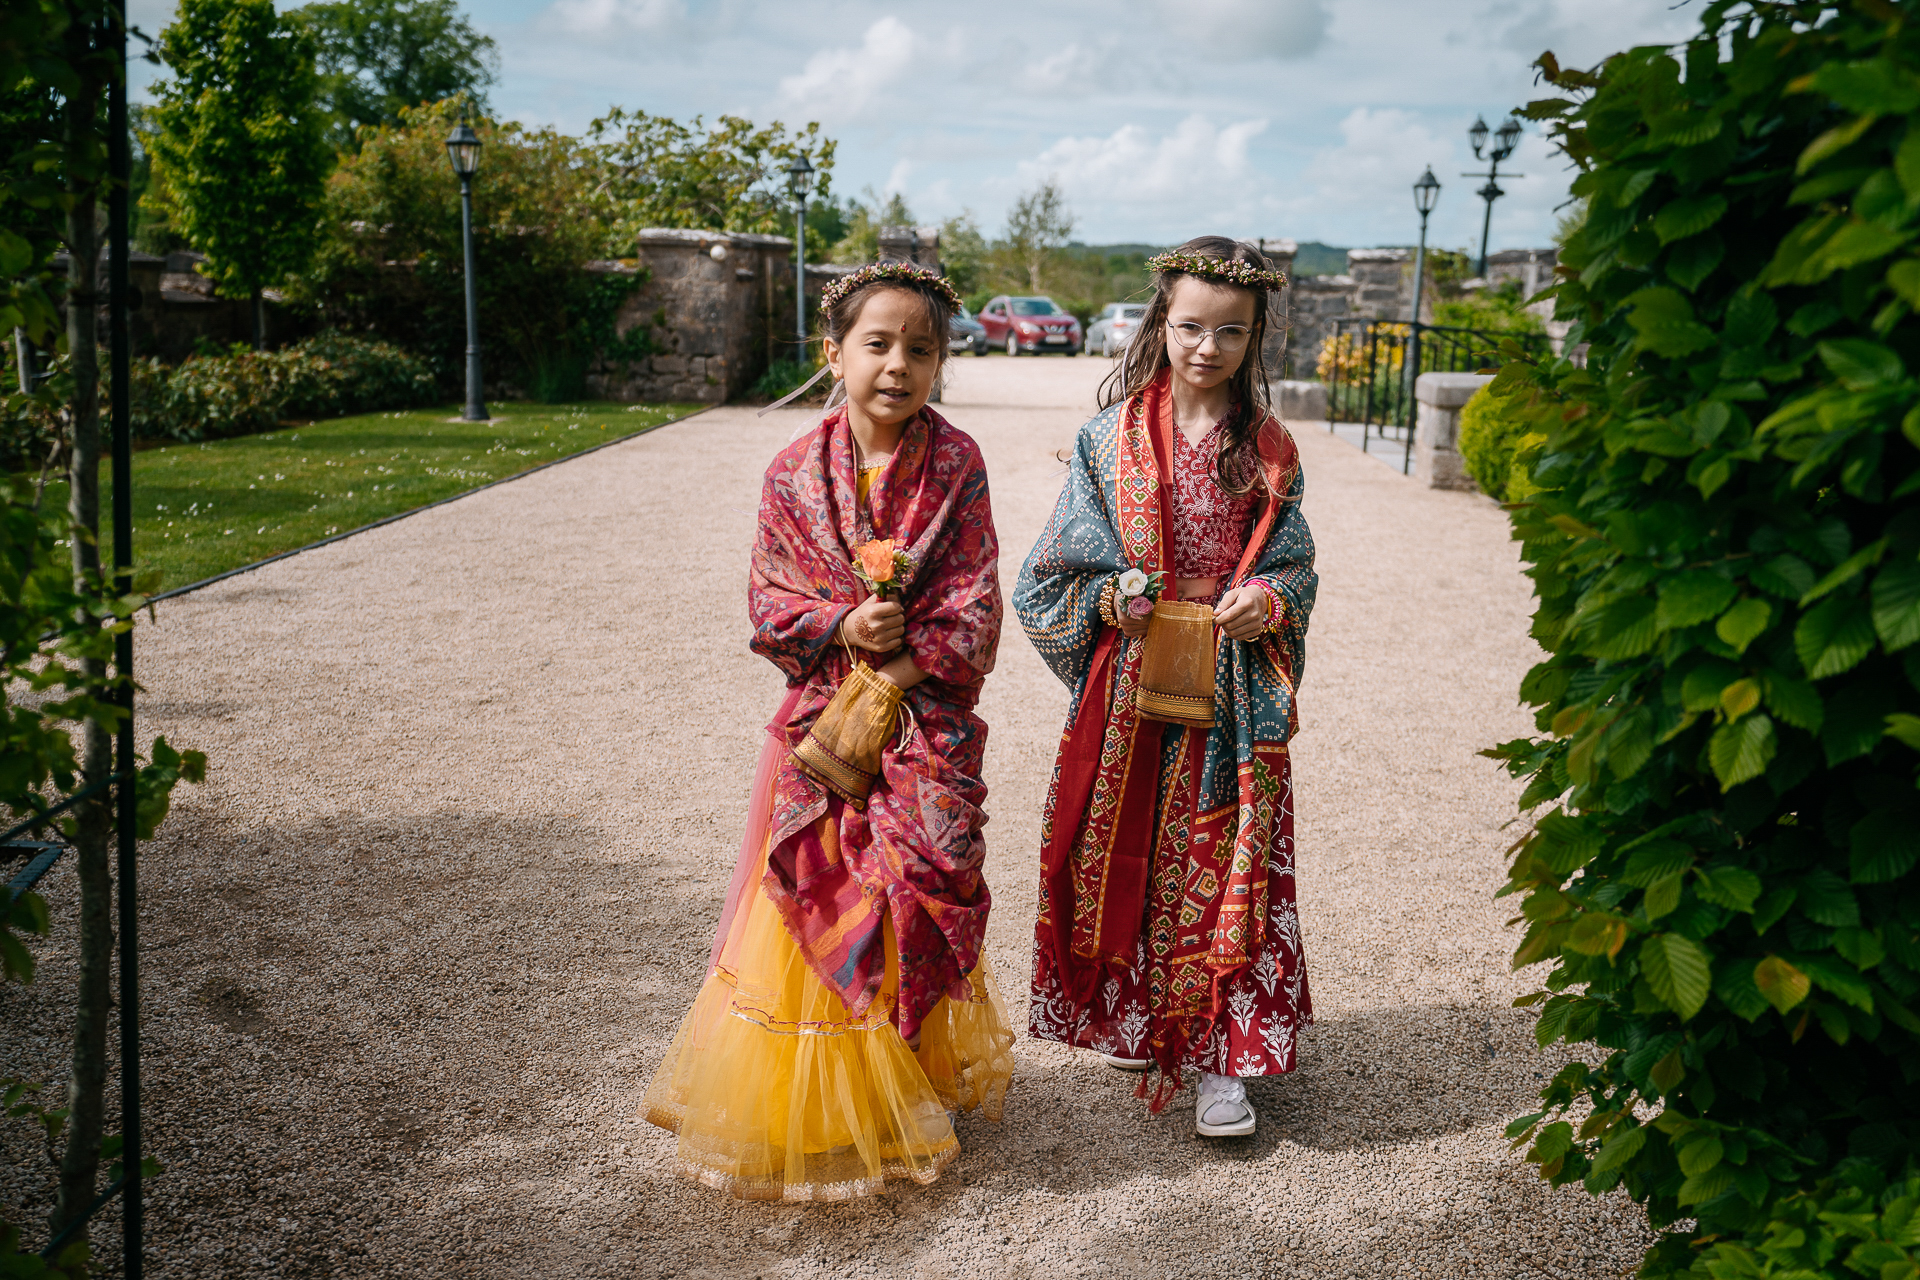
{"points": [[328, 376], [1724, 881], [212, 397], [1493, 445]]}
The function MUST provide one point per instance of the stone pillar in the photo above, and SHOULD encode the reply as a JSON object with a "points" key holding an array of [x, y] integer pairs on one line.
{"points": [[1385, 282], [920, 245], [1436, 448], [1280, 320], [714, 305], [1298, 401]]}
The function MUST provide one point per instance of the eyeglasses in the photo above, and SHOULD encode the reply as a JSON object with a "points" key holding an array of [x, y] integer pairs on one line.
{"points": [[1228, 337]]}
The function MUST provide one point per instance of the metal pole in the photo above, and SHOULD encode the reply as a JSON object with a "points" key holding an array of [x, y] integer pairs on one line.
{"points": [[1413, 340], [1419, 270], [476, 410], [1490, 193], [800, 280], [132, 1208]]}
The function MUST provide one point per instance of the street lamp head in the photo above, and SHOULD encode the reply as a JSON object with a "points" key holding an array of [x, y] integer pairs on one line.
{"points": [[799, 176], [1508, 137], [1426, 192], [1478, 135], [463, 148]]}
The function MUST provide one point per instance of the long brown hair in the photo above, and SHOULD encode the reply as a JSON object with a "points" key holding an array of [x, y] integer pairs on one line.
{"points": [[1236, 465]]}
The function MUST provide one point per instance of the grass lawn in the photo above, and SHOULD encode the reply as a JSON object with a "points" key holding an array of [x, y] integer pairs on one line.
{"points": [[201, 509]]}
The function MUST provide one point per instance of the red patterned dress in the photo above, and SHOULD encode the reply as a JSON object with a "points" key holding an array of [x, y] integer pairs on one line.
{"points": [[1258, 1006]]}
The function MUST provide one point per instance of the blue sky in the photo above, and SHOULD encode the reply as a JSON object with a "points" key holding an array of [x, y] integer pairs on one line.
{"points": [[1161, 119]]}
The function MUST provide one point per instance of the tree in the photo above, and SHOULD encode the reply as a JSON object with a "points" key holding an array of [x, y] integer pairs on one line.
{"points": [[1038, 226], [963, 252], [1725, 544], [58, 59], [238, 145], [535, 226], [861, 240], [653, 171], [378, 56]]}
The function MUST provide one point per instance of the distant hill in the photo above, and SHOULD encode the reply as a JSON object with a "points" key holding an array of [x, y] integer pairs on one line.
{"points": [[1316, 259]]}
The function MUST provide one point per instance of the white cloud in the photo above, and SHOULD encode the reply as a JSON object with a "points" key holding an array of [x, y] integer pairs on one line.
{"points": [[1380, 154], [620, 17], [1073, 69], [1581, 32], [842, 84], [1193, 162], [1242, 29]]}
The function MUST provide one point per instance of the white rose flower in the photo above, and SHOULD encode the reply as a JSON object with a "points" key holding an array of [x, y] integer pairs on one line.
{"points": [[1132, 582]]}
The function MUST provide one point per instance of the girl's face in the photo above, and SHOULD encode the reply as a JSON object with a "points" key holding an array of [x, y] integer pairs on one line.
{"points": [[1211, 307], [888, 359]]}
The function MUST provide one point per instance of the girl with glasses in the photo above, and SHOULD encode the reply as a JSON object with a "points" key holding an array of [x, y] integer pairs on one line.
{"points": [[1167, 936]]}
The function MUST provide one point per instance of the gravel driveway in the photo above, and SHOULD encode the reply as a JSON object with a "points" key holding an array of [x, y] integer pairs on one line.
{"points": [[477, 784]]}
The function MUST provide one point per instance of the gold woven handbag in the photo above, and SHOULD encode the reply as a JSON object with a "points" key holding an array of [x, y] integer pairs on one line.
{"points": [[842, 750], [1176, 667]]}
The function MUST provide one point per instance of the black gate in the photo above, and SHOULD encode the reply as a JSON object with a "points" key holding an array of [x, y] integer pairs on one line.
{"points": [[1369, 367]]}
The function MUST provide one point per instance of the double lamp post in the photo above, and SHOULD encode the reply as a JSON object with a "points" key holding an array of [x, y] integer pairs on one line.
{"points": [[1426, 194]]}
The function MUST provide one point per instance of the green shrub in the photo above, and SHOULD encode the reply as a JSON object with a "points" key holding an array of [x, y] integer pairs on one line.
{"points": [[1726, 549], [1493, 447], [1855, 1224], [328, 376], [1500, 310]]}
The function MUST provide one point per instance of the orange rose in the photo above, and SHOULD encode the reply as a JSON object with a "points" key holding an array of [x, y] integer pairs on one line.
{"points": [[877, 559]]}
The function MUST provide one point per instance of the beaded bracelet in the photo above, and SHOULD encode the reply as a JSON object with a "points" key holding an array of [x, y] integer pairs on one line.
{"points": [[1276, 608], [1109, 613]]}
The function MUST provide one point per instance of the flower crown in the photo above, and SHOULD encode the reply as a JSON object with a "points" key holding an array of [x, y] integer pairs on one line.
{"points": [[1231, 270], [903, 272]]}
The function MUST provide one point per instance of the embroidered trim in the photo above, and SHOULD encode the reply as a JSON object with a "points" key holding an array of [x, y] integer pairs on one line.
{"points": [[847, 781], [1177, 708]]}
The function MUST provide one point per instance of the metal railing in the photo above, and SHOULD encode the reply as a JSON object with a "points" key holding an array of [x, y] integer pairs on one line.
{"points": [[1370, 367]]}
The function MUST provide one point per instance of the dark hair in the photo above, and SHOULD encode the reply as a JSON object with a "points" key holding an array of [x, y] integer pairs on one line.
{"points": [[845, 313], [1236, 465]]}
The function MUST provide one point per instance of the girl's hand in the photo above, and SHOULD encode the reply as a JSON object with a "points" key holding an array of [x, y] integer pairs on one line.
{"points": [[1132, 627], [875, 626], [1242, 613]]}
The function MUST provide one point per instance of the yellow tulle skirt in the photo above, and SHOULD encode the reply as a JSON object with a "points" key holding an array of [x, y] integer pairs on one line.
{"points": [[777, 1092]]}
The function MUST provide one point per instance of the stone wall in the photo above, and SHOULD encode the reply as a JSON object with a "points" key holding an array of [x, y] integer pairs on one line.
{"points": [[1378, 285], [716, 306], [174, 311]]}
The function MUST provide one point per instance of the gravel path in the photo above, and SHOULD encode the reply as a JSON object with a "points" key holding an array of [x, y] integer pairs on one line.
{"points": [[478, 776]]}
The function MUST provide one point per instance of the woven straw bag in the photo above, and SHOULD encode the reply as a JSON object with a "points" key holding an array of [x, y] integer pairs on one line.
{"points": [[842, 750], [1176, 667]]}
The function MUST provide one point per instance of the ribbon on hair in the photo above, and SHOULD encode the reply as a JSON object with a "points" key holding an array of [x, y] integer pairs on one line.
{"points": [[797, 392]]}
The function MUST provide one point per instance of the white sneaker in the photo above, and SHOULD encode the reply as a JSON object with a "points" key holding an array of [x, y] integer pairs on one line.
{"points": [[1126, 1064], [1223, 1110]]}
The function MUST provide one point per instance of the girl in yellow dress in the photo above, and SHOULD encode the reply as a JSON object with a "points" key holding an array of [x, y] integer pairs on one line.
{"points": [[848, 1009]]}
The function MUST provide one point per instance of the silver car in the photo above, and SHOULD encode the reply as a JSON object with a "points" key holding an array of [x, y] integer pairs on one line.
{"points": [[1114, 326]]}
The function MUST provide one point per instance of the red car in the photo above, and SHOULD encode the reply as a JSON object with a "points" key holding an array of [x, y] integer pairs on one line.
{"points": [[1030, 325]]}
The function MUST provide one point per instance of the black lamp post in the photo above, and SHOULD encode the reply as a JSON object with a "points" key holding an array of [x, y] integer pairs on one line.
{"points": [[463, 148], [1426, 194], [799, 179], [1504, 142]]}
